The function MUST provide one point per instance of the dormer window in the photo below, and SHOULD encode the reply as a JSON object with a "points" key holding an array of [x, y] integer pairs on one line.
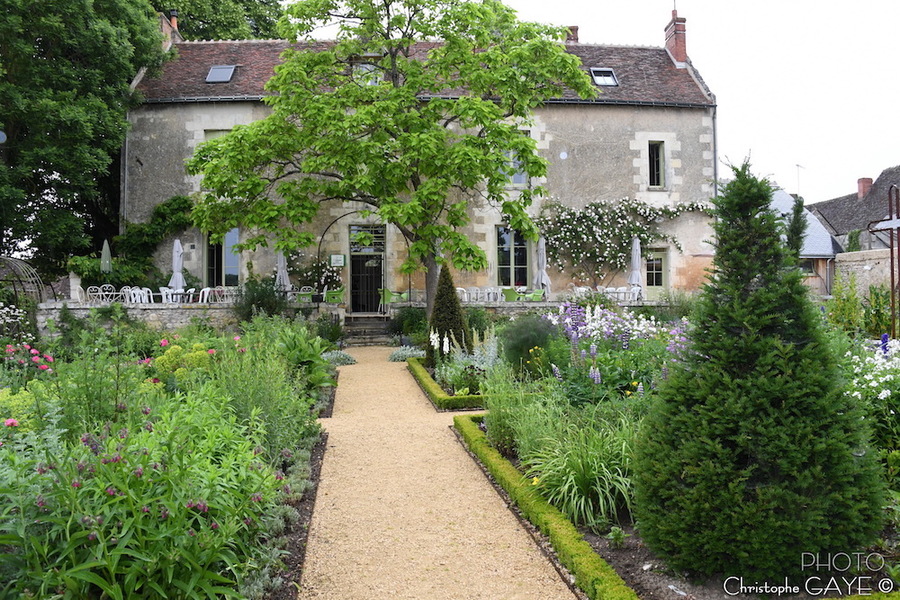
{"points": [[604, 77], [220, 74]]}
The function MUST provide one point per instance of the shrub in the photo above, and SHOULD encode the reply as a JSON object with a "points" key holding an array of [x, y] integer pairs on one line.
{"points": [[521, 336], [402, 353], [328, 327], [338, 358], [845, 310], [448, 324], [259, 297], [877, 311], [409, 321], [751, 452]]}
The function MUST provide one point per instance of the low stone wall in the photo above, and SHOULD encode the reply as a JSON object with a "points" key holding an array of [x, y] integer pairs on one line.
{"points": [[163, 317], [869, 267]]}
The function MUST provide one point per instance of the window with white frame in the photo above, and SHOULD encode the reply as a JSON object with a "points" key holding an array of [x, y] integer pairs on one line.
{"points": [[223, 262], [512, 258], [604, 77], [656, 164]]}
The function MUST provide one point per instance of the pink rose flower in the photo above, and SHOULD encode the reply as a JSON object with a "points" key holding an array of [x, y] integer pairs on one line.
{"points": [[11, 423], [164, 342]]}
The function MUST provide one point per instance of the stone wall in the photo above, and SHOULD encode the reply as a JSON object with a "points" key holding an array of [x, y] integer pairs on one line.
{"points": [[162, 317], [869, 267]]}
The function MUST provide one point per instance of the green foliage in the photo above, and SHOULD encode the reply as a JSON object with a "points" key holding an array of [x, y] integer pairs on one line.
{"points": [[853, 241], [447, 321], [595, 241], [751, 451], [328, 327], [845, 310], [521, 336], [64, 93], [478, 319], [259, 297], [21, 406], [414, 164], [318, 275], [441, 399], [796, 229], [338, 358], [592, 574], [140, 273], [224, 19], [411, 322], [171, 504], [877, 311]]}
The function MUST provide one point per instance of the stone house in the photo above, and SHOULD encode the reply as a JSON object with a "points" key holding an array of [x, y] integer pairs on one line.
{"points": [[844, 215], [650, 134]]}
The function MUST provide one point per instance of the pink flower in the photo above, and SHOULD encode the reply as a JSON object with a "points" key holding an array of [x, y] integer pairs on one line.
{"points": [[164, 342], [48, 358], [34, 351], [35, 359], [237, 338], [11, 422], [211, 351], [76, 484], [214, 525], [43, 367]]}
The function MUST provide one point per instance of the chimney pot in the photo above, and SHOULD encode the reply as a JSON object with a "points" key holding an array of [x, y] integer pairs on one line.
{"points": [[676, 43], [572, 35], [173, 19], [864, 184]]}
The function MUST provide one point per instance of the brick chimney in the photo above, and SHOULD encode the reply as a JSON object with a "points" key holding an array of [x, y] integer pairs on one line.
{"points": [[572, 35], [863, 185], [173, 19], [676, 43]]}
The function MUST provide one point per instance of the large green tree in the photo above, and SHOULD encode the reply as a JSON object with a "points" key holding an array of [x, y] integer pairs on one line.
{"points": [[414, 113], [752, 454], [65, 71], [224, 19]]}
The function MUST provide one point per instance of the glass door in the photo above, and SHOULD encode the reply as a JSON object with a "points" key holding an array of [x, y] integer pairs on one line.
{"points": [[366, 266]]}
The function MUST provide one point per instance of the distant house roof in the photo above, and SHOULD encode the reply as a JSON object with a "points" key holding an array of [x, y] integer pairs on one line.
{"points": [[817, 242], [848, 213], [645, 76]]}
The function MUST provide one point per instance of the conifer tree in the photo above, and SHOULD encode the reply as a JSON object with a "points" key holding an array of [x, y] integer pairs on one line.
{"points": [[447, 319], [752, 453]]}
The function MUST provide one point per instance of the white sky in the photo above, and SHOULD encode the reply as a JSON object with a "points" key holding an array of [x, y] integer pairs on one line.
{"points": [[814, 83]]}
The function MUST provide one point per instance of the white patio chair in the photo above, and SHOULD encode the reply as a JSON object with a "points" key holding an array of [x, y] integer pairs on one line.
{"points": [[166, 295], [108, 293], [204, 295], [148, 295], [463, 294], [94, 295]]}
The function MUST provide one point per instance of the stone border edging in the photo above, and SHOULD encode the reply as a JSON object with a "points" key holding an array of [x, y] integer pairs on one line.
{"points": [[441, 400], [592, 574]]}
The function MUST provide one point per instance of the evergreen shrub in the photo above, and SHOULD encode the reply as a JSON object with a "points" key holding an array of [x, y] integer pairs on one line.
{"points": [[752, 453], [447, 319]]}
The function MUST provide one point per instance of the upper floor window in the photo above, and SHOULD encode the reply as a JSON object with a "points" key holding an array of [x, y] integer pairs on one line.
{"points": [[656, 165], [605, 77], [517, 176]]}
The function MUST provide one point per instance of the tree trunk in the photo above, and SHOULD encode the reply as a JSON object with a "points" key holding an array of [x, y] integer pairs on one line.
{"points": [[433, 270]]}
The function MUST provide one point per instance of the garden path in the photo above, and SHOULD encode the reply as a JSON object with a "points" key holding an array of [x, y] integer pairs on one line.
{"points": [[402, 511]]}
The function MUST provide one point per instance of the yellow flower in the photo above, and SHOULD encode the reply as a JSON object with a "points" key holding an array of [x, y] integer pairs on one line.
{"points": [[535, 480], [634, 383], [628, 392]]}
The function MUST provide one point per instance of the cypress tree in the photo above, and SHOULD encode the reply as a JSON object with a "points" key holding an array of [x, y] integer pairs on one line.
{"points": [[752, 454], [447, 318]]}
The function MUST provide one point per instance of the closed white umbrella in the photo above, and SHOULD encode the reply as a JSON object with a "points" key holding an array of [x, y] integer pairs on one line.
{"points": [[541, 278], [105, 258], [177, 280], [634, 276], [282, 282]]}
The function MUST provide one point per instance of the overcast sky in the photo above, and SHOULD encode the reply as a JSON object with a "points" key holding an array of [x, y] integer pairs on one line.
{"points": [[814, 83]]}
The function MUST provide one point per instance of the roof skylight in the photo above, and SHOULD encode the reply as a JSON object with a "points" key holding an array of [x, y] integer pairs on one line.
{"points": [[220, 74], [603, 76]]}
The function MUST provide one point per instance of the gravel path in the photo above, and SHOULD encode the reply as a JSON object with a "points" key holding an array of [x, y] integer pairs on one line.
{"points": [[403, 512]]}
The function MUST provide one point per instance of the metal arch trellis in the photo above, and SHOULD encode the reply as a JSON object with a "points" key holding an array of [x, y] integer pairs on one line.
{"points": [[21, 278]]}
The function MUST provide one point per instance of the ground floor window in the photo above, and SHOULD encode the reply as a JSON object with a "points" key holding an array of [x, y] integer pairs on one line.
{"points": [[512, 258], [223, 262]]}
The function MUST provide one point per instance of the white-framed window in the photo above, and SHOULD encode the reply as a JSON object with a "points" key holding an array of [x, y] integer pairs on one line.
{"points": [[512, 257], [656, 274], [603, 76], [518, 178], [656, 156], [223, 262]]}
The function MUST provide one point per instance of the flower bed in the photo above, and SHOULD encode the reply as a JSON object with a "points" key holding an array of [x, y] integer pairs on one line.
{"points": [[441, 399]]}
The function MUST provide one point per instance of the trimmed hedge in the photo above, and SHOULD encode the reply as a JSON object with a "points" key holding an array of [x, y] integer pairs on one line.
{"points": [[592, 574], [441, 399]]}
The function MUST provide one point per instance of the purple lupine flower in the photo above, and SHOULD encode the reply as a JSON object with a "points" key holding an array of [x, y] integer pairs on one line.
{"points": [[884, 343], [593, 350], [595, 376], [556, 372]]}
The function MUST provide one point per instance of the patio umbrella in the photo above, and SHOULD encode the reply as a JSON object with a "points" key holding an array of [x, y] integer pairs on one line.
{"points": [[634, 276], [281, 274], [177, 280], [105, 258], [541, 278]]}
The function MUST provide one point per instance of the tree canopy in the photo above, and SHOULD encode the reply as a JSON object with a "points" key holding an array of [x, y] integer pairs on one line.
{"points": [[224, 19], [415, 111], [65, 71]]}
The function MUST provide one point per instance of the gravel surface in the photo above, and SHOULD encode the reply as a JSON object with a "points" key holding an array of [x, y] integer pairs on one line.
{"points": [[403, 512]]}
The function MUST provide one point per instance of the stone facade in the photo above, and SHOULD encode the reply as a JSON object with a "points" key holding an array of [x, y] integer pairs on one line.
{"points": [[597, 150], [868, 267]]}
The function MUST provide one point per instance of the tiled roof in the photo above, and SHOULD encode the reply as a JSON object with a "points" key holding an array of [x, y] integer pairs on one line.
{"points": [[645, 75], [847, 213]]}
